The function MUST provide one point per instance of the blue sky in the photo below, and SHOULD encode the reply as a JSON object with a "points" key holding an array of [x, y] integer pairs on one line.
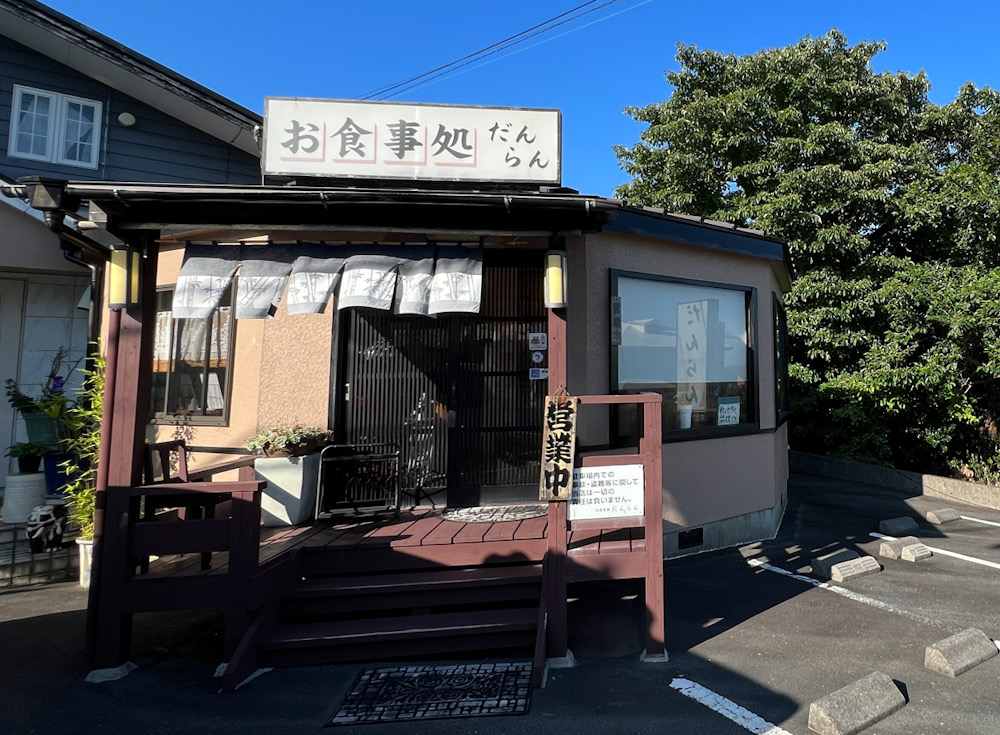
{"points": [[617, 56]]}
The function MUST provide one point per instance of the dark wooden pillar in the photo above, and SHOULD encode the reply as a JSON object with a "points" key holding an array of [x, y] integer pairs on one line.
{"points": [[129, 352]]}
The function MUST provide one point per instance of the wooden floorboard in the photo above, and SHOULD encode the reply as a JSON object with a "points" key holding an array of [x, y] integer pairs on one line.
{"points": [[471, 533], [417, 531], [531, 528], [442, 535], [503, 531]]}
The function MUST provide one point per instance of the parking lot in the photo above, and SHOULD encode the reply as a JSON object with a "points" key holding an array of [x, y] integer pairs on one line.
{"points": [[749, 631]]}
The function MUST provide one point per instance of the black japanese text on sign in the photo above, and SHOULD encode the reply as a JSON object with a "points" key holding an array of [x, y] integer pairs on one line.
{"points": [[558, 448]]}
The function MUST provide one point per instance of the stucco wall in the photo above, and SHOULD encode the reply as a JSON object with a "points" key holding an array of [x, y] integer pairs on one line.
{"points": [[704, 480]]}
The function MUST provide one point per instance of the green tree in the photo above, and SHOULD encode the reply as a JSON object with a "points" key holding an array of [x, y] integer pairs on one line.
{"points": [[889, 204]]}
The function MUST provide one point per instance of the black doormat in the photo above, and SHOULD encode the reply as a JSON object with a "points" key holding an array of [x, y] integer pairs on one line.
{"points": [[407, 693], [495, 513]]}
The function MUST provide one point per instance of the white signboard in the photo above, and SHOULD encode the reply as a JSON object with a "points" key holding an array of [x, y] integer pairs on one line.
{"points": [[607, 492], [377, 140]]}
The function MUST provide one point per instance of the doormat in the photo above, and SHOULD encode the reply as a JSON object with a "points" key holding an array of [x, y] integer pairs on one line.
{"points": [[495, 513], [407, 693]]}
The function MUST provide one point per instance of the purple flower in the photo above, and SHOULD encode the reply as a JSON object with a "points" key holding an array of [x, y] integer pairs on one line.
{"points": [[58, 384]]}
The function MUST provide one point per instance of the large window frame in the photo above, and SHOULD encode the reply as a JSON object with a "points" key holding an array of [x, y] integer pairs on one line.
{"points": [[704, 420], [57, 128], [199, 385]]}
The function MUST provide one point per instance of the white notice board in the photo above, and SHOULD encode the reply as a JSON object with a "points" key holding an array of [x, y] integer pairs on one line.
{"points": [[612, 491]]}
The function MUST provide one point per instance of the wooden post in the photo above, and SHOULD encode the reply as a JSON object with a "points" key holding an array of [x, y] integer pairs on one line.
{"points": [[557, 638], [101, 481], [651, 451], [126, 403]]}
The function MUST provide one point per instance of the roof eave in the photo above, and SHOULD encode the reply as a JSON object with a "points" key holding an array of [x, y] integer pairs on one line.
{"points": [[71, 43]]}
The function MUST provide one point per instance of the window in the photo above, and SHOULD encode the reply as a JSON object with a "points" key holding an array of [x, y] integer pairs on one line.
{"points": [[782, 397], [192, 361], [46, 126], [691, 342]]}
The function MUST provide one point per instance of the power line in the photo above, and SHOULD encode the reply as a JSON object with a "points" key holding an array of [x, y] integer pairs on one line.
{"points": [[463, 68], [509, 42]]}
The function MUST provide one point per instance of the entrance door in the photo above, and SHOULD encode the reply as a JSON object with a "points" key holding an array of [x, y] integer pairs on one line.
{"points": [[452, 393], [11, 321]]}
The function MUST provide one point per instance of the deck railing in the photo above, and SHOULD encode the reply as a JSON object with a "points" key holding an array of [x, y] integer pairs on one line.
{"points": [[625, 561], [131, 536]]}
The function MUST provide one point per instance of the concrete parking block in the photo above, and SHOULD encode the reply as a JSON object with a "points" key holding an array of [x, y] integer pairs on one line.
{"points": [[915, 552], [857, 706], [958, 653], [822, 566], [907, 548], [942, 515], [898, 526], [860, 567]]}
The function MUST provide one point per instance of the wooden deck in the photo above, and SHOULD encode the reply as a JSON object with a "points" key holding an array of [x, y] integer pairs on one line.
{"points": [[178, 545], [411, 539], [415, 539]]}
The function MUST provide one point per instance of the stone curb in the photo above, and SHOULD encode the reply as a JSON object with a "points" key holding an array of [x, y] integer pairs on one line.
{"points": [[941, 516], [958, 653], [822, 566], [908, 548], [857, 706], [855, 568], [898, 526]]}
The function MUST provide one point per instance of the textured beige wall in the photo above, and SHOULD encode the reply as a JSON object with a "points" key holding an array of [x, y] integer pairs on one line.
{"points": [[295, 384], [704, 480]]}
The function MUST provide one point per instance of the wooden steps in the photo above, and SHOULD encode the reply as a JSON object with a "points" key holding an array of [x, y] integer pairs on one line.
{"points": [[406, 614]]}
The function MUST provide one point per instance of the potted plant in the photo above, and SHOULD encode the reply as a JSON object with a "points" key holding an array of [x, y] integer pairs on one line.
{"points": [[83, 421], [46, 418], [290, 466], [288, 441], [28, 455]]}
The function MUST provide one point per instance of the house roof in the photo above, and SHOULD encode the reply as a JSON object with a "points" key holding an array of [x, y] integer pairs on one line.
{"points": [[119, 206], [79, 47]]}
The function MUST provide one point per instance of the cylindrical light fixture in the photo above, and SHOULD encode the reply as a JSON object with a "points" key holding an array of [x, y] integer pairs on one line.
{"points": [[125, 279], [555, 279]]}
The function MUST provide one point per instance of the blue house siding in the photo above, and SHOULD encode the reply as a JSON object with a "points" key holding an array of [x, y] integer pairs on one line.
{"points": [[157, 148]]}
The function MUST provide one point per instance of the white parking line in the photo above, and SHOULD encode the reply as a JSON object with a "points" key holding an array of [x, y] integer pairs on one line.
{"points": [[726, 707], [849, 594], [945, 552], [980, 520]]}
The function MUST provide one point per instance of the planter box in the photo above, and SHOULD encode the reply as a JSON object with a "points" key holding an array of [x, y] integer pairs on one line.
{"points": [[290, 495]]}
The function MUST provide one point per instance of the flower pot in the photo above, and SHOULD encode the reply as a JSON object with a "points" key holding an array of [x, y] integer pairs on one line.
{"points": [[55, 476], [42, 429], [86, 548], [21, 494], [29, 463], [290, 496]]}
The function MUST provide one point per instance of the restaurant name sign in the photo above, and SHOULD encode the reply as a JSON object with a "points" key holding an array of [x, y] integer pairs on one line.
{"points": [[377, 140]]}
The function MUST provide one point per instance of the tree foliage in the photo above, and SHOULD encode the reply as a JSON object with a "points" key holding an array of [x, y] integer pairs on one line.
{"points": [[891, 207]]}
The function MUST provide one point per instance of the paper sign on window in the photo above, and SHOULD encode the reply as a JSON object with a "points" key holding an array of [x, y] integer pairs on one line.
{"points": [[729, 410]]}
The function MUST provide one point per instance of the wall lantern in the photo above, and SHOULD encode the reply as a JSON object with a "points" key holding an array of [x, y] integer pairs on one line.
{"points": [[555, 279], [125, 278]]}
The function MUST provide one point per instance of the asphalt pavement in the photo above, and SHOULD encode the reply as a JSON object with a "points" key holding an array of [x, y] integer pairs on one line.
{"points": [[748, 625]]}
